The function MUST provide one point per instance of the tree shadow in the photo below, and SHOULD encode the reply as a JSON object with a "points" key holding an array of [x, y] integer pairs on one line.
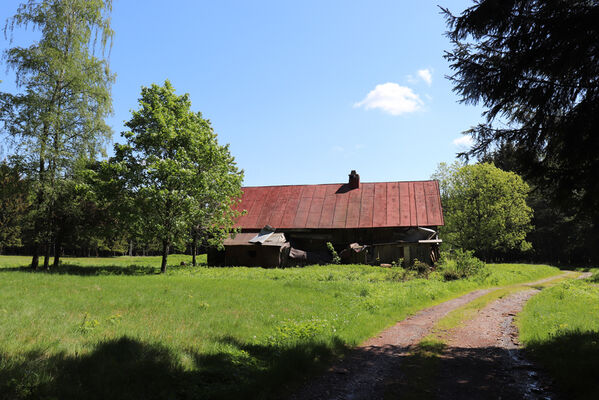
{"points": [[92, 270], [433, 371], [127, 368], [572, 358]]}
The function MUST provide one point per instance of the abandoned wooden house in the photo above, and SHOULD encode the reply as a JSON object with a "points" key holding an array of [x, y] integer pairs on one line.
{"points": [[373, 223]]}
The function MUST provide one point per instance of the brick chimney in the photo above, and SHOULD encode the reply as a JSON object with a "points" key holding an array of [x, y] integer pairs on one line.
{"points": [[354, 180]]}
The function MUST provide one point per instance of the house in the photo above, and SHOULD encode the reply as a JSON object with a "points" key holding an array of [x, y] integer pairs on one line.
{"points": [[373, 223]]}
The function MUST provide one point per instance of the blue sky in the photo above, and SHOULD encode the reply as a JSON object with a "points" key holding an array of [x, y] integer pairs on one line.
{"points": [[304, 91]]}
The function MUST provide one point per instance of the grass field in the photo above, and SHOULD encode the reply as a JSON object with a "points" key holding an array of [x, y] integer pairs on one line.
{"points": [[114, 328], [560, 328]]}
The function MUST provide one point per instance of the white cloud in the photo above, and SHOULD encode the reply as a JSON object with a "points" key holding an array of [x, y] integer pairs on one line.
{"points": [[392, 98], [426, 75], [463, 141]]}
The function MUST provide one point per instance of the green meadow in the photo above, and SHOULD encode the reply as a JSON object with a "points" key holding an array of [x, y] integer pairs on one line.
{"points": [[560, 328], [115, 328]]}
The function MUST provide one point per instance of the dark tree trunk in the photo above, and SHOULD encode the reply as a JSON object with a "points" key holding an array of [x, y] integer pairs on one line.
{"points": [[131, 248], [194, 250], [47, 256], [57, 251], [35, 260], [165, 246]]}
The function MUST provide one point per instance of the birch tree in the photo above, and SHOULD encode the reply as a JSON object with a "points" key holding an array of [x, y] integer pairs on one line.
{"points": [[64, 95]]}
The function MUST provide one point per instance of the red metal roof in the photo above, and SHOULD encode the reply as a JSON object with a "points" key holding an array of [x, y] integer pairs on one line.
{"points": [[372, 205]]}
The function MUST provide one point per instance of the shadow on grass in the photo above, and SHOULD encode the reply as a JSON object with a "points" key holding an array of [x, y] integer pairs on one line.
{"points": [[92, 270], [573, 360], [129, 369]]}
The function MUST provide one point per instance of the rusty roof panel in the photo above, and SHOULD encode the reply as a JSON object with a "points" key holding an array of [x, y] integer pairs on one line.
{"points": [[303, 207], [385, 204], [379, 217], [340, 216], [315, 210], [392, 204], [421, 214], [353, 209], [328, 207], [404, 204], [367, 205], [291, 206], [412, 198]]}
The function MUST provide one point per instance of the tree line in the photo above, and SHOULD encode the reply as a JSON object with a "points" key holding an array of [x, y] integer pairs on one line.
{"points": [[170, 183]]}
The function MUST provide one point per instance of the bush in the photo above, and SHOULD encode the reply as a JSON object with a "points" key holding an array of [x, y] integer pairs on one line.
{"points": [[461, 264], [335, 257], [422, 269]]}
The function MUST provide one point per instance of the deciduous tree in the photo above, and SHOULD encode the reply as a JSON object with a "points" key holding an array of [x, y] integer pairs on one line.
{"points": [[176, 172], [484, 207]]}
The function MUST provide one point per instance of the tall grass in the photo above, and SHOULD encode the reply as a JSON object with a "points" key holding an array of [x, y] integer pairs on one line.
{"points": [[560, 328], [113, 328]]}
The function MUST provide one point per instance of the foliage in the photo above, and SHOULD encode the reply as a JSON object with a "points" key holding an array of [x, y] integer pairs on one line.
{"points": [[484, 208], [554, 223], [422, 269], [166, 337], [335, 257], [460, 264], [560, 328], [58, 116], [14, 202], [174, 172], [531, 64]]}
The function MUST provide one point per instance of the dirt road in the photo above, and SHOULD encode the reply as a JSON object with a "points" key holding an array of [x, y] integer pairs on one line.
{"points": [[482, 359]]}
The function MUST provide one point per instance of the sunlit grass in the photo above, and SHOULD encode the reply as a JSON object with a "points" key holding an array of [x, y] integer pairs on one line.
{"points": [[560, 328], [469, 310], [217, 332]]}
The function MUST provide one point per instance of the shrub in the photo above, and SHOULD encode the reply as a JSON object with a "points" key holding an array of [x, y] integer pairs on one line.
{"points": [[336, 259], [461, 264], [420, 267]]}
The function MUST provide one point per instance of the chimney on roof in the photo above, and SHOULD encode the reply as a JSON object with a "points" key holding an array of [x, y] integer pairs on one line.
{"points": [[354, 180]]}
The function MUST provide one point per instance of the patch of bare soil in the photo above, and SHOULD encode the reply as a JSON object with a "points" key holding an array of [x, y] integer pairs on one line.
{"points": [[483, 359]]}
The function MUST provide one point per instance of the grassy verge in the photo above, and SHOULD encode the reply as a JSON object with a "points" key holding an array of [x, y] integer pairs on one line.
{"points": [[113, 328], [560, 329], [469, 310]]}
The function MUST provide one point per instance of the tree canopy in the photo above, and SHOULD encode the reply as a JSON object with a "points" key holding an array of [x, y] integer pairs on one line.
{"points": [[484, 207], [175, 172], [14, 202], [561, 235], [533, 65]]}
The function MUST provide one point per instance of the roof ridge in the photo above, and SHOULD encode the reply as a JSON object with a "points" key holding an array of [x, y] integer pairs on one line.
{"points": [[338, 183]]}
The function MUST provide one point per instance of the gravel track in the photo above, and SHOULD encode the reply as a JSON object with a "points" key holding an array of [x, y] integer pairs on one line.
{"points": [[483, 358]]}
